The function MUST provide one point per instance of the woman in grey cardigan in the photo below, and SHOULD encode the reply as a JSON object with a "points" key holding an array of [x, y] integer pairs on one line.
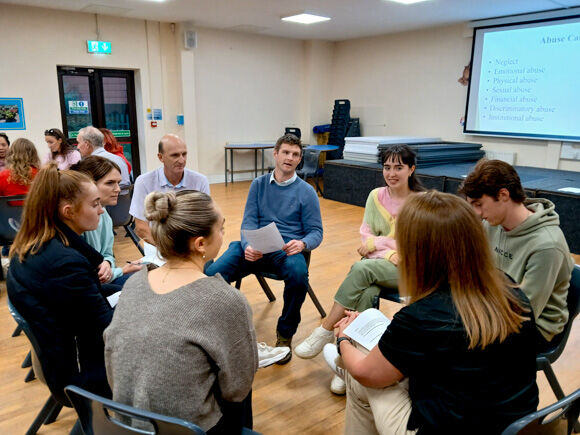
{"points": [[181, 343]]}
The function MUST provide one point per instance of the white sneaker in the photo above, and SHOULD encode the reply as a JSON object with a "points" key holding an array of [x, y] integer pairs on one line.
{"points": [[312, 346], [338, 386], [268, 355]]}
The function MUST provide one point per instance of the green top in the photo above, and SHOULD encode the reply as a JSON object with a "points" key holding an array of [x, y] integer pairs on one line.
{"points": [[536, 256]]}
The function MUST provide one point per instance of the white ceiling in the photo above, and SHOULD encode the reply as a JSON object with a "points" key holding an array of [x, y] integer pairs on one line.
{"points": [[350, 18]]}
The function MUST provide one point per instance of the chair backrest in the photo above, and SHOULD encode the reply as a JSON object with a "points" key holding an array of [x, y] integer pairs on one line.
{"points": [[120, 213], [558, 343], [558, 418], [293, 130], [310, 163], [100, 416], [10, 215], [36, 353]]}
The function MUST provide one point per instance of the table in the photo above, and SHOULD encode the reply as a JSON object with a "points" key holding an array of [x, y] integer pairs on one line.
{"points": [[323, 148], [238, 146]]}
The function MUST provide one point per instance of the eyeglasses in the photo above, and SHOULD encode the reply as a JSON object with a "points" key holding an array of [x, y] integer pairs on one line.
{"points": [[50, 132]]}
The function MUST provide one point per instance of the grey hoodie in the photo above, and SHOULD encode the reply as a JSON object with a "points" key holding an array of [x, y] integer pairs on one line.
{"points": [[535, 254]]}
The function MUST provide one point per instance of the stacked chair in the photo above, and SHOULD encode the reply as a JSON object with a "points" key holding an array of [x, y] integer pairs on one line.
{"points": [[338, 127]]}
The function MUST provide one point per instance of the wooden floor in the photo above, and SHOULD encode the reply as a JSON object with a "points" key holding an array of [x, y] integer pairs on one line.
{"points": [[291, 399]]}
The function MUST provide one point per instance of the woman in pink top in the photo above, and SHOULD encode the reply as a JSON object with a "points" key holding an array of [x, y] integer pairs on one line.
{"points": [[64, 154], [378, 267]]}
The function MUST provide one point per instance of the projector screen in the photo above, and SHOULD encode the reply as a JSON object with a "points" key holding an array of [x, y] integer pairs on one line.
{"points": [[525, 80]]}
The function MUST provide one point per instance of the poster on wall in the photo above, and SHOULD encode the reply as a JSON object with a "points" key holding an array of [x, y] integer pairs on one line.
{"points": [[12, 114]]}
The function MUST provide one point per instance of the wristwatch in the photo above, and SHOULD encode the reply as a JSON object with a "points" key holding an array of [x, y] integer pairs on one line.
{"points": [[339, 339]]}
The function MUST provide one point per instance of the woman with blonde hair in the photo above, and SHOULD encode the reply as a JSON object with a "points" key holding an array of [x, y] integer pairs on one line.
{"points": [[460, 357], [59, 149], [182, 343], [52, 280], [22, 165]]}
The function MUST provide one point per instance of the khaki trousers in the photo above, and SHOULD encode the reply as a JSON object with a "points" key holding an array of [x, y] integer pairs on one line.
{"points": [[383, 411]]}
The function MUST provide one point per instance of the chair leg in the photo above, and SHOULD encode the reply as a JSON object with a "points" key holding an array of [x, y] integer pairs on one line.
{"points": [[30, 376], [266, 287], [27, 361], [134, 237], [316, 302], [51, 418], [46, 410], [547, 369], [17, 331]]}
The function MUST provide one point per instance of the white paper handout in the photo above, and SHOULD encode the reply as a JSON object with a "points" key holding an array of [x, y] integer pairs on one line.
{"points": [[113, 299], [266, 239], [152, 255], [368, 328]]}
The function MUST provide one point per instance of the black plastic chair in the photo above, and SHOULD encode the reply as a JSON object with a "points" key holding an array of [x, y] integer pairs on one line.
{"points": [[293, 130], [558, 418], [100, 416], [310, 167], [121, 218], [10, 215], [545, 359], [49, 412], [260, 276]]}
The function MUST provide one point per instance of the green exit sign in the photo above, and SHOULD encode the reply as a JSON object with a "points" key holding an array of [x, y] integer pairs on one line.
{"points": [[100, 47]]}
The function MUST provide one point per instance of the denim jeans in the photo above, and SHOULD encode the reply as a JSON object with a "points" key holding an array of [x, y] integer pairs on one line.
{"points": [[292, 269]]}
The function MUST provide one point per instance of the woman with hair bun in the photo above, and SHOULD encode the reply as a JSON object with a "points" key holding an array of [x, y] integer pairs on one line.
{"points": [[52, 280], [60, 151], [182, 343]]}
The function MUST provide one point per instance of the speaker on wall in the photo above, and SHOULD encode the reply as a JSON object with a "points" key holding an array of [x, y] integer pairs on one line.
{"points": [[189, 39]]}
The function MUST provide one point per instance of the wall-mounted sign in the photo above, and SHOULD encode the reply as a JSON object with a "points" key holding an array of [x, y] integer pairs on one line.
{"points": [[78, 107], [99, 47]]}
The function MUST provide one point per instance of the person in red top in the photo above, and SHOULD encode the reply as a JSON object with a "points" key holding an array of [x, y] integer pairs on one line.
{"points": [[113, 146], [22, 166]]}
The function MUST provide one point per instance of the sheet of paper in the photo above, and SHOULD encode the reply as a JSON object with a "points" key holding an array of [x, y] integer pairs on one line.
{"points": [[368, 328], [266, 239], [152, 255], [570, 189], [113, 299]]}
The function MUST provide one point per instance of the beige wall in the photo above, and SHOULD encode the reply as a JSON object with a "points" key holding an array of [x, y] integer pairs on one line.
{"points": [[406, 84], [35, 41], [237, 87]]}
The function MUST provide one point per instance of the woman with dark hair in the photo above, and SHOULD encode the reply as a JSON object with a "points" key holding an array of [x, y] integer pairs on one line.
{"points": [[4, 145], [460, 358], [113, 146], [182, 343], [60, 151], [378, 267], [52, 280], [107, 176], [22, 165]]}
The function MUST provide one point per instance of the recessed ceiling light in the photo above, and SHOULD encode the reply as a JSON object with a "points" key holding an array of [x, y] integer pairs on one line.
{"points": [[305, 18], [407, 2]]}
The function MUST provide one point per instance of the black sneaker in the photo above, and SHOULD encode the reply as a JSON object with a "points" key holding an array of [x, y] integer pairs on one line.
{"points": [[282, 341]]}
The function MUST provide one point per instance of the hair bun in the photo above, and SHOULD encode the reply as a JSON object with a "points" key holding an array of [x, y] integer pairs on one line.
{"points": [[158, 205]]}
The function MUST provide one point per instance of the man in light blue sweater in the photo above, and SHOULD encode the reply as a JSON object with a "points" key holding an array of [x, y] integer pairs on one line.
{"points": [[291, 203]]}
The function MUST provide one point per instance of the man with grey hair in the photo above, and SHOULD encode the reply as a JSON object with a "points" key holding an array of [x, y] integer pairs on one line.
{"points": [[91, 143]]}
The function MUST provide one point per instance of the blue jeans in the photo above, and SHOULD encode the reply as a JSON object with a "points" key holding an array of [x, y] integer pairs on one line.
{"points": [[292, 269]]}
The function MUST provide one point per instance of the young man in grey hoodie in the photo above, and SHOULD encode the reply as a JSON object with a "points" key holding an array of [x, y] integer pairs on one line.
{"points": [[526, 240]]}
